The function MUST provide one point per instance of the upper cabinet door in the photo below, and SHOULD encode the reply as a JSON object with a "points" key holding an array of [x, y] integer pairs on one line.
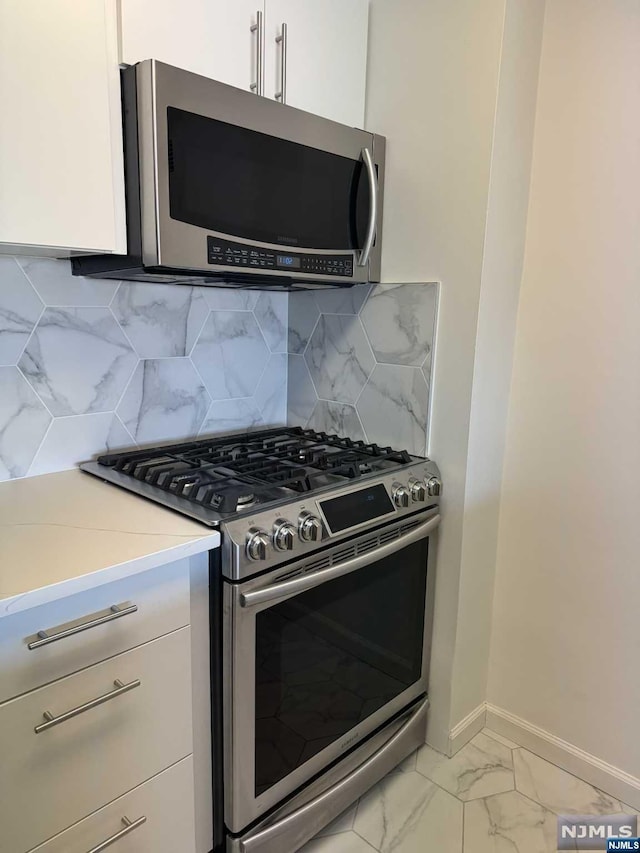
{"points": [[209, 37], [61, 172], [326, 56]]}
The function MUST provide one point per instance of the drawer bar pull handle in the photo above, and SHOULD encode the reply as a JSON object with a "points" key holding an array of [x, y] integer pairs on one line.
{"points": [[51, 720], [116, 611], [129, 826]]}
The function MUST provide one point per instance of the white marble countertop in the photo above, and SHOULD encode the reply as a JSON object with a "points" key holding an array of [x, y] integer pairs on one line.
{"points": [[63, 533]]}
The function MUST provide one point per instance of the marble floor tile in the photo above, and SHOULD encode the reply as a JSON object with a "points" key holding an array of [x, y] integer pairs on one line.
{"points": [[346, 842], [558, 790], [343, 823], [406, 813], [501, 739], [508, 823], [407, 765], [481, 768]]}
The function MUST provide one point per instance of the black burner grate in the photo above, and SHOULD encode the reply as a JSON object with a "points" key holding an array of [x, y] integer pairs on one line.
{"points": [[229, 473]]}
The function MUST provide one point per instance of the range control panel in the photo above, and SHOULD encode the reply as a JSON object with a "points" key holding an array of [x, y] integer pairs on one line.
{"points": [[242, 255]]}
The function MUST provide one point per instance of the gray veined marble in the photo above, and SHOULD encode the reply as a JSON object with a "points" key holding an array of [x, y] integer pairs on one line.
{"points": [[301, 395], [57, 287], [406, 813], [271, 393], [481, 768], [337, 418], [20, 308], [303, 316], [271, 314], [343, 300], [509, 823], [230, 299], [400, 322], [231, 416], [78, 360], [339, 358], [345, 842], [558, 790], [160, 320], [165, 400], [23, 423], [394, 407], [79, 438], [230, 354]]}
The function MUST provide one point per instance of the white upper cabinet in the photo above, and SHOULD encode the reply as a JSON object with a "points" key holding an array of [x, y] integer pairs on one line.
{"points": [[209, 37], [61, 173], [326, 56], [326, 46]]}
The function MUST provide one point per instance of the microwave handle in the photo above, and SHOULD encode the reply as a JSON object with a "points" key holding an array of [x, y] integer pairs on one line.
{"points": [[305, 582], [373, 209]]}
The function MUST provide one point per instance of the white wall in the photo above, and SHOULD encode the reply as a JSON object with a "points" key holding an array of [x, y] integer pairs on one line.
{"points": [[565, 646], [500, 288]]}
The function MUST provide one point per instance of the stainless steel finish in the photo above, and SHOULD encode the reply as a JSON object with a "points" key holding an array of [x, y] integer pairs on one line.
{"points": [[302, 818], [129, 826], [401, 496], [171, 243], [258, 542], [418, 490], [242, 806], [282, 41], [51, 720], [284, 535], [285, 589], [434, 487], [116, 611], [309, 527], [363, 260], [258, 29]]}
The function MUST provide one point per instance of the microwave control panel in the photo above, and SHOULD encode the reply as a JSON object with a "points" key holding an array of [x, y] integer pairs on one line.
{"points": [[242, 255]]}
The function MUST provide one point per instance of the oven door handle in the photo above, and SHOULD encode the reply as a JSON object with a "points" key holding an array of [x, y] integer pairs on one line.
{"points": [[363, 258], [305, 582]]}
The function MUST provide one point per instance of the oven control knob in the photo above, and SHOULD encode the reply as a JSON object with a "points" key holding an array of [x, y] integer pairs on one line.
{"points": [[283, 535], [418, 490], [434, 487], [309, 527], [401, 496], [257, 544]]}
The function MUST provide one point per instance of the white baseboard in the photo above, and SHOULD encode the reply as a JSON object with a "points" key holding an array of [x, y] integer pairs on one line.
{"points": [[605, 776], [462, 733]]}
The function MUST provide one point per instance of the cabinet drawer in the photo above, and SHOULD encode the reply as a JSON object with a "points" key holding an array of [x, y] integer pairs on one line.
{"points": [[161, 599], [52, 779], [166, 802]]}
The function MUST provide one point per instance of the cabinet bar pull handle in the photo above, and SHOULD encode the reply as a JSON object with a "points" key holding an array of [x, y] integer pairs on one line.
{"points": [[258, 29], [282, 40], [116, 611], [373, 209], [129, 826], [51, 720]]}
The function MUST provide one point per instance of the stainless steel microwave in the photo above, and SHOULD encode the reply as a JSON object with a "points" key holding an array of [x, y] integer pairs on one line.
{"points": [[225, 186]]}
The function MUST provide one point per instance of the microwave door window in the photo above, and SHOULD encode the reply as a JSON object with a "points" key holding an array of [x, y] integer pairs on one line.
{"points": [[332, 656], [246, 184]]}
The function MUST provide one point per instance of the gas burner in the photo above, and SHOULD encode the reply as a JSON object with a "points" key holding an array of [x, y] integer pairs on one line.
{"points": [[244, 500]]}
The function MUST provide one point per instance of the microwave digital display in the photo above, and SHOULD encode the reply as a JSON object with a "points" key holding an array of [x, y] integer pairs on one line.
{"points": [[287, 262]]}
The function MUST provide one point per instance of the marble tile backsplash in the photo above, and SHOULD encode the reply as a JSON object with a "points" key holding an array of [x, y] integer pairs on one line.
{"points": [[88, 365], [360, 362]]}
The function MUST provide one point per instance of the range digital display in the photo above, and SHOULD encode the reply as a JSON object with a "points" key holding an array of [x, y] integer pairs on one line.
{"points": [[288, 261], [356, 508]]}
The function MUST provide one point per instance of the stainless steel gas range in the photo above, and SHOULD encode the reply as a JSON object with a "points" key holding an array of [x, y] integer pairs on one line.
{"points": [[321, 616]]}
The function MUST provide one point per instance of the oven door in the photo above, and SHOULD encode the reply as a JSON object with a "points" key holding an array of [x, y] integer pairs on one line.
{"points": [[318, 655], [221, 163]]}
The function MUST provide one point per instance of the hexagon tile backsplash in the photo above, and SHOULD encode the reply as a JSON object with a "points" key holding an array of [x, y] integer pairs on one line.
{"points": [[360, 362], [88, 365], [92, 364]]}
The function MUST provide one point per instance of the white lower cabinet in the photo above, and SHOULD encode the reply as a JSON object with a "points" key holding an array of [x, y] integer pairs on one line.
{"points": [[54, 777], [166, 804]]}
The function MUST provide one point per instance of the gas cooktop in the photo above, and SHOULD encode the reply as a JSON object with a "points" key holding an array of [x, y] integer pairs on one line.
{"points": [[228, 476]]}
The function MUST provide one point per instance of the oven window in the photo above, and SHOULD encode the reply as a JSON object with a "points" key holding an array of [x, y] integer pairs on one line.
{"points": [[248, 184], [332, 656]]}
